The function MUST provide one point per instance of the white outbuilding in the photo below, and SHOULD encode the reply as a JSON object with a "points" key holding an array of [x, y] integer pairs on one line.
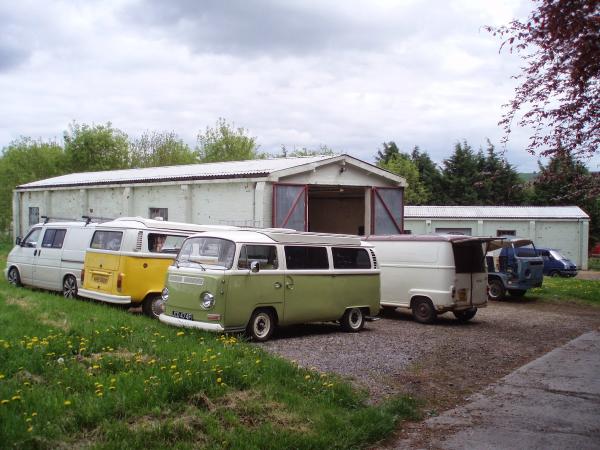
{"points": [[564, 228], [336, 194]]}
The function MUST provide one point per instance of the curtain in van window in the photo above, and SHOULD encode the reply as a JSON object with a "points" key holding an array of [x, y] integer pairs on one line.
{"points": [[289, 206], [387, 210]]}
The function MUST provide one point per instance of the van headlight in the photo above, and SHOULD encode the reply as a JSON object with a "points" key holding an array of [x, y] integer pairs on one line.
{"points": [[165, 294], [207, 300]]}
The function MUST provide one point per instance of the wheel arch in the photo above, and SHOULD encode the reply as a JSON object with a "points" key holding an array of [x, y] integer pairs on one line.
{"points": [[414, 298]]}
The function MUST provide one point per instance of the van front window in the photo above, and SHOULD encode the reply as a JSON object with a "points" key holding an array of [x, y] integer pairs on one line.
{"points": [[201, 252]]}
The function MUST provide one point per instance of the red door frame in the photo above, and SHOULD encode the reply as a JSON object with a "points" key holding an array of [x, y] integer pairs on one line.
{"points": [[374, 192], [294, 204]]}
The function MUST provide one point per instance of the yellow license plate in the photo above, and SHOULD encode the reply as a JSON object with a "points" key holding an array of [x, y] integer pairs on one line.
{"points": [[100, 279]]}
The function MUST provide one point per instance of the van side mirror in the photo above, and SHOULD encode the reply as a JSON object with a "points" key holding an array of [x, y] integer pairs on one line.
{"points": [[18, 240], [254, 267]]}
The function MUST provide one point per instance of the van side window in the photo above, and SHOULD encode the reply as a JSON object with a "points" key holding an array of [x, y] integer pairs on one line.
{"points": [[53, 238], [350, 258], [306, 258], [32, 238], [266, 255], [164, 243], [107, 240]]}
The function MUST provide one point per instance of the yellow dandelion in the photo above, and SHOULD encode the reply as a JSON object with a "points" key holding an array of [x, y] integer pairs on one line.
{"points": [[4, 402], [180, 333], [258, 361], [33, 414], [307, 377], [16, 397], [67, 402], [219, 380], [1, 376], [30, 429]]}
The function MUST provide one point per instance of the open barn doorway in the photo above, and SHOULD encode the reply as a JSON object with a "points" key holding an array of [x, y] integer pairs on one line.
{"points": [[336, 209]]}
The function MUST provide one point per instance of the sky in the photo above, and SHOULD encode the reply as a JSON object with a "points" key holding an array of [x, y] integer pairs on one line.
{"points": [[349, 75]]}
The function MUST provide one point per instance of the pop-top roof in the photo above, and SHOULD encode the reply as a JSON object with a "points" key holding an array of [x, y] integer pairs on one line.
{"points": [[494, 212], [256, 168]]}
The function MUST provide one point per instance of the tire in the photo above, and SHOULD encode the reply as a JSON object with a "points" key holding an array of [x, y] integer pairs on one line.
{"points": [[554, 274], [423, 310], [496, 290], [465, 315], [13, 277], [353, 320], [69, 287], [153, 306], [517, 293], [261, 325]]}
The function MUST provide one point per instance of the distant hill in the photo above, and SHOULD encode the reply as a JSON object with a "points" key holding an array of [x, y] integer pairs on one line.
{"points": [[526, 177]]}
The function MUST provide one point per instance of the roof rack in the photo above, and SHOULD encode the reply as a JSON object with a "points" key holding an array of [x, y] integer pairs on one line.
{"points": [[47, 219], [90, 219]]}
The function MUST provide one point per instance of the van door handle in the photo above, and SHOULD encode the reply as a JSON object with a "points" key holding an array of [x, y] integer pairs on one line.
{"points": [[290, 286], [35, 252], [277, 285]]}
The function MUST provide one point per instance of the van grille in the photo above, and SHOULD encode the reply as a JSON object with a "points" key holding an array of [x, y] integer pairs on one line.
{"points": [[138, 244], [373, 257]]}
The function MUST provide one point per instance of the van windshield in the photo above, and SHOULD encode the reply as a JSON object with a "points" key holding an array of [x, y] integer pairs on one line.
{"points": [[469, 257], [201, 252]]}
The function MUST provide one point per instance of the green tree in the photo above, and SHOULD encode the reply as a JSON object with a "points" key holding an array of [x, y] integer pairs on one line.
{"points": [[226, 143], [401, 164], [461, 176], [304, 151], [499, 182], [154, 149], [94, 148], [430, 175], [25, 160], [387, 153]]}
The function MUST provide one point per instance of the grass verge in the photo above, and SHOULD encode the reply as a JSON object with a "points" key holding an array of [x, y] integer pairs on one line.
{"points": [[568, 289], [83, 374]]}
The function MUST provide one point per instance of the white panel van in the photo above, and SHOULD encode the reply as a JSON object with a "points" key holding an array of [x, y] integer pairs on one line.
{"points": [[50, 256], [432, 274]]}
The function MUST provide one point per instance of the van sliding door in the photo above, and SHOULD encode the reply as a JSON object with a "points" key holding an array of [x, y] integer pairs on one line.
{"points": [[290, 206]]}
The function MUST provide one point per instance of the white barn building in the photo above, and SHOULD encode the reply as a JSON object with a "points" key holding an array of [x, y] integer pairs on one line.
{"points": [[339, 194], [560, 227]]}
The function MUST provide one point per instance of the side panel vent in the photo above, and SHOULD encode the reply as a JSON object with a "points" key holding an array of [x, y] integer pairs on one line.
{"points": [[138, 244], [374, 258]]}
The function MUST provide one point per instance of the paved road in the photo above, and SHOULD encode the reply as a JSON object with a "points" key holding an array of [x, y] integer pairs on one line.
{"points": [[551, 403]]}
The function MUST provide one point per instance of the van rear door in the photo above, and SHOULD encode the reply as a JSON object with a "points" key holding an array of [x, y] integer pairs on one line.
{"points": [[102, 261], [471, 275]]}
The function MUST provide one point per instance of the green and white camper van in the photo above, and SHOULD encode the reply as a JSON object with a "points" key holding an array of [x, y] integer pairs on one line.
{"points": [[256, 280]]}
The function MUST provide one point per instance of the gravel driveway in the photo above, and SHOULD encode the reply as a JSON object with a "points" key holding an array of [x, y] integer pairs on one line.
{"points": [[441, 363]]}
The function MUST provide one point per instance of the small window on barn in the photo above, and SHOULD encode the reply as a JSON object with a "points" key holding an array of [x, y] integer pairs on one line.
{"points": [[34, 215], [458, 231], [306, 258], [350, 258], [506, 232], [54, 238], [159, 213]]}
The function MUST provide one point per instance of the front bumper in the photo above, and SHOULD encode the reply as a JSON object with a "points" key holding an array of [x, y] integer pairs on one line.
{"points": [[568, 272], [177, 322], [95, 295]]}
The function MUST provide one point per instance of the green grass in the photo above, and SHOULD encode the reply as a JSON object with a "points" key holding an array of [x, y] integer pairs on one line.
{"points": [[594, 264], [84, 374], [568, 289]]}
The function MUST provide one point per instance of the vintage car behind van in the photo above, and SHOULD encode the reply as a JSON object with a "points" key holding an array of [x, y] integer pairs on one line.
{"points": [[433, 274], [50, 256], [127, 260], [256, 280]]}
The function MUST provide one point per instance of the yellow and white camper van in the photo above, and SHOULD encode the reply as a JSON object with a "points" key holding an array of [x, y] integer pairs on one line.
{"points": [[127, 260]]}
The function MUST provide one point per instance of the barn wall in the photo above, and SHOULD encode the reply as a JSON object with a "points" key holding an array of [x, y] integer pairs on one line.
{"points": [[568, 235]]}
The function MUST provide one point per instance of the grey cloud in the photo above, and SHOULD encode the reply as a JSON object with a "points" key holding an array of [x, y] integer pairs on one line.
{"points": [[11, 56]]}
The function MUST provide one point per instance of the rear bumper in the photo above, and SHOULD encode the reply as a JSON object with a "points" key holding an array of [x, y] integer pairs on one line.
{"points": [[177, 322], [119, 299]]}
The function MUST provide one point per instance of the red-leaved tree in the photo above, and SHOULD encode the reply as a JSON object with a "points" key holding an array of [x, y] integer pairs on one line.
{"points": [[559, 91]]}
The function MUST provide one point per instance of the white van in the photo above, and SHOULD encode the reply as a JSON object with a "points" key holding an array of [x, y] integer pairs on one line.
{"points": [[432, 274], [50, 256]]}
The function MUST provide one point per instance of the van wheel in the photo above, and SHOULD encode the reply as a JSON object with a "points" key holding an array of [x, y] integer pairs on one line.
{"points": [[353, 320], [70, 287], [13, 277], [153, 306], [554, 274], [423, 310], [496, 290], [261, 325], [465, 315]]}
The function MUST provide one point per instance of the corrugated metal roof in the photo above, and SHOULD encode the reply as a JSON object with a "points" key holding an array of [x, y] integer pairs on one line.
{"points": [[231, 169], [495, 212]]}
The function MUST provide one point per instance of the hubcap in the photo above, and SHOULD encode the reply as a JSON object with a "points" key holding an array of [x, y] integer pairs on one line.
{"points": [[70, 288], [355, 318], [262, 325], [12, 276], [158, 307]]}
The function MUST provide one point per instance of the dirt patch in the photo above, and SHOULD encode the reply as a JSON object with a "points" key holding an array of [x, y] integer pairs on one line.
{"points": [[441, 364], [60, 323], [588, 275], [20, 302]]}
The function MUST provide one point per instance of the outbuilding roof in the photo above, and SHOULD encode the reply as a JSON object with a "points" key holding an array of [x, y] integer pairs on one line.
{"points": [[494, 212], [256, 168]]}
